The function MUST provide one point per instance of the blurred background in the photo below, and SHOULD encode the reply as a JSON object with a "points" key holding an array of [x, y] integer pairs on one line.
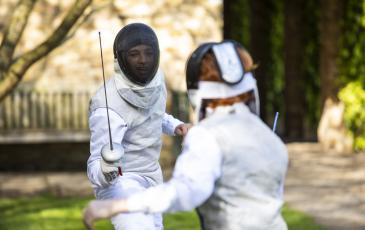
{"points": [[311, 58]]}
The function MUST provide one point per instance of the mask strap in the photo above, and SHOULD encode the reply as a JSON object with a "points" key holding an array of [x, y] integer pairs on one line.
{"points": [[229, 62]]}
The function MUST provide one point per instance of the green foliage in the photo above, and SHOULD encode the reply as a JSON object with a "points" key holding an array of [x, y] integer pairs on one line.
{"points": [[311, 63], [352, 70], [352, 55], [238, 21], [353, 95], [48, 212], [363, 14], [275, 67]]}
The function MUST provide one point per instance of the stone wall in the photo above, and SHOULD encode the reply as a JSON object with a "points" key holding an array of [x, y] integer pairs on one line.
{"points": [[180, 26], [44, 157]]}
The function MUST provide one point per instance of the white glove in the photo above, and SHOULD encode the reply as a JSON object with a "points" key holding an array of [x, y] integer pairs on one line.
{"points": [[111, 161], [101, 209], [110, 171]]}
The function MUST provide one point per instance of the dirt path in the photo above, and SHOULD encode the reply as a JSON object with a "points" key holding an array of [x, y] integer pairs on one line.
{"points": [[330, 187], [55, 183]]}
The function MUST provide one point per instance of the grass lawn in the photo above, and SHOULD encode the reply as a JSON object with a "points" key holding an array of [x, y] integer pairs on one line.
{"points": [[47, 212]]}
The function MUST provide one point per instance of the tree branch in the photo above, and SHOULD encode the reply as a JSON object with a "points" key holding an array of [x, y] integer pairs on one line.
{"points": [[86, 16], [18, 68], [13, 32]]}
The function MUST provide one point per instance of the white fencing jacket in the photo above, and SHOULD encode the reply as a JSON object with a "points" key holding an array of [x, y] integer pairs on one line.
{"points": [[232, 167], [137, 120], [98, 122]]}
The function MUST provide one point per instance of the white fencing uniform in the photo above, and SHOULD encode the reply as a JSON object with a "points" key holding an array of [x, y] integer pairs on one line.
{"points": [[137, 119], [232, 168]]}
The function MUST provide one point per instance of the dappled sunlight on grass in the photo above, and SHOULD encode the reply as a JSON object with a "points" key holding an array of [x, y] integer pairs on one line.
{"points": [[48, 212], [44, 213], [182, 220]]}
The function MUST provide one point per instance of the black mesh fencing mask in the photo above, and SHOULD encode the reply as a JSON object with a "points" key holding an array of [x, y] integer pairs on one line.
{"points": [[137, 51]]}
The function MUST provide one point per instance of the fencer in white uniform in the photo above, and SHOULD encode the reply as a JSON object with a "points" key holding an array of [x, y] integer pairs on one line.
{"points": [[232, 166], [136, 97]]}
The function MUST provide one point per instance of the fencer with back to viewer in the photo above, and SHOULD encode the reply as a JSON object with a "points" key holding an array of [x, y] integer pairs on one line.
{"points": [[232, 166], [136, 96]]}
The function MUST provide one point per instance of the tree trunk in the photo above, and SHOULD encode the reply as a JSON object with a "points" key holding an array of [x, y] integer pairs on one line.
{"points": [[329, 39], [330, 31], [294, 68], [236, 21], [260, 48]]}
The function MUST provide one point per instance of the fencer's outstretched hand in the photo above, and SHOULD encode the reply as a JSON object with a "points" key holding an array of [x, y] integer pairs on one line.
{"points": [[183, 129], [102, 209]]}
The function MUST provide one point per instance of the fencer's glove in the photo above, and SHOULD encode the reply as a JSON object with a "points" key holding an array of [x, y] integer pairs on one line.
{"points": [[95, 210], [111, 161]]}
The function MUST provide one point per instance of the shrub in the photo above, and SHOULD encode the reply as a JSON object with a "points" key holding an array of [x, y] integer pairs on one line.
{"points": [[353, 95]]}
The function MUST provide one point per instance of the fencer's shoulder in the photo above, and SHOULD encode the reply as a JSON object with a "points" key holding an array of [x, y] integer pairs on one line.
{"points": [[213, 121], [98, 98], [196, 129], [95, 100], [198, 134]]}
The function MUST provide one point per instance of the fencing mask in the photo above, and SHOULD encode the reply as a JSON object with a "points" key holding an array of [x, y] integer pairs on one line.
{"points": [[137, 52], [233, 80]]}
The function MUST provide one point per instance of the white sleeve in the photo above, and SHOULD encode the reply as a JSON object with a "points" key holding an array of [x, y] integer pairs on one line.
{"points": [[169, 124], [196, 170], [99, 136]]}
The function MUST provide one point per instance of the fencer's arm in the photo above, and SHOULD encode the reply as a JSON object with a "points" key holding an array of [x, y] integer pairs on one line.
{"points": [[102, 209], [195, 173], [191, 183], [99, 137], [169, 124], [196, 170]]}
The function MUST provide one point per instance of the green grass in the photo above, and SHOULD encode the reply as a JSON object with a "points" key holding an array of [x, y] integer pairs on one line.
{"points": [[48, 212], [299, 221], [182, 221]]}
